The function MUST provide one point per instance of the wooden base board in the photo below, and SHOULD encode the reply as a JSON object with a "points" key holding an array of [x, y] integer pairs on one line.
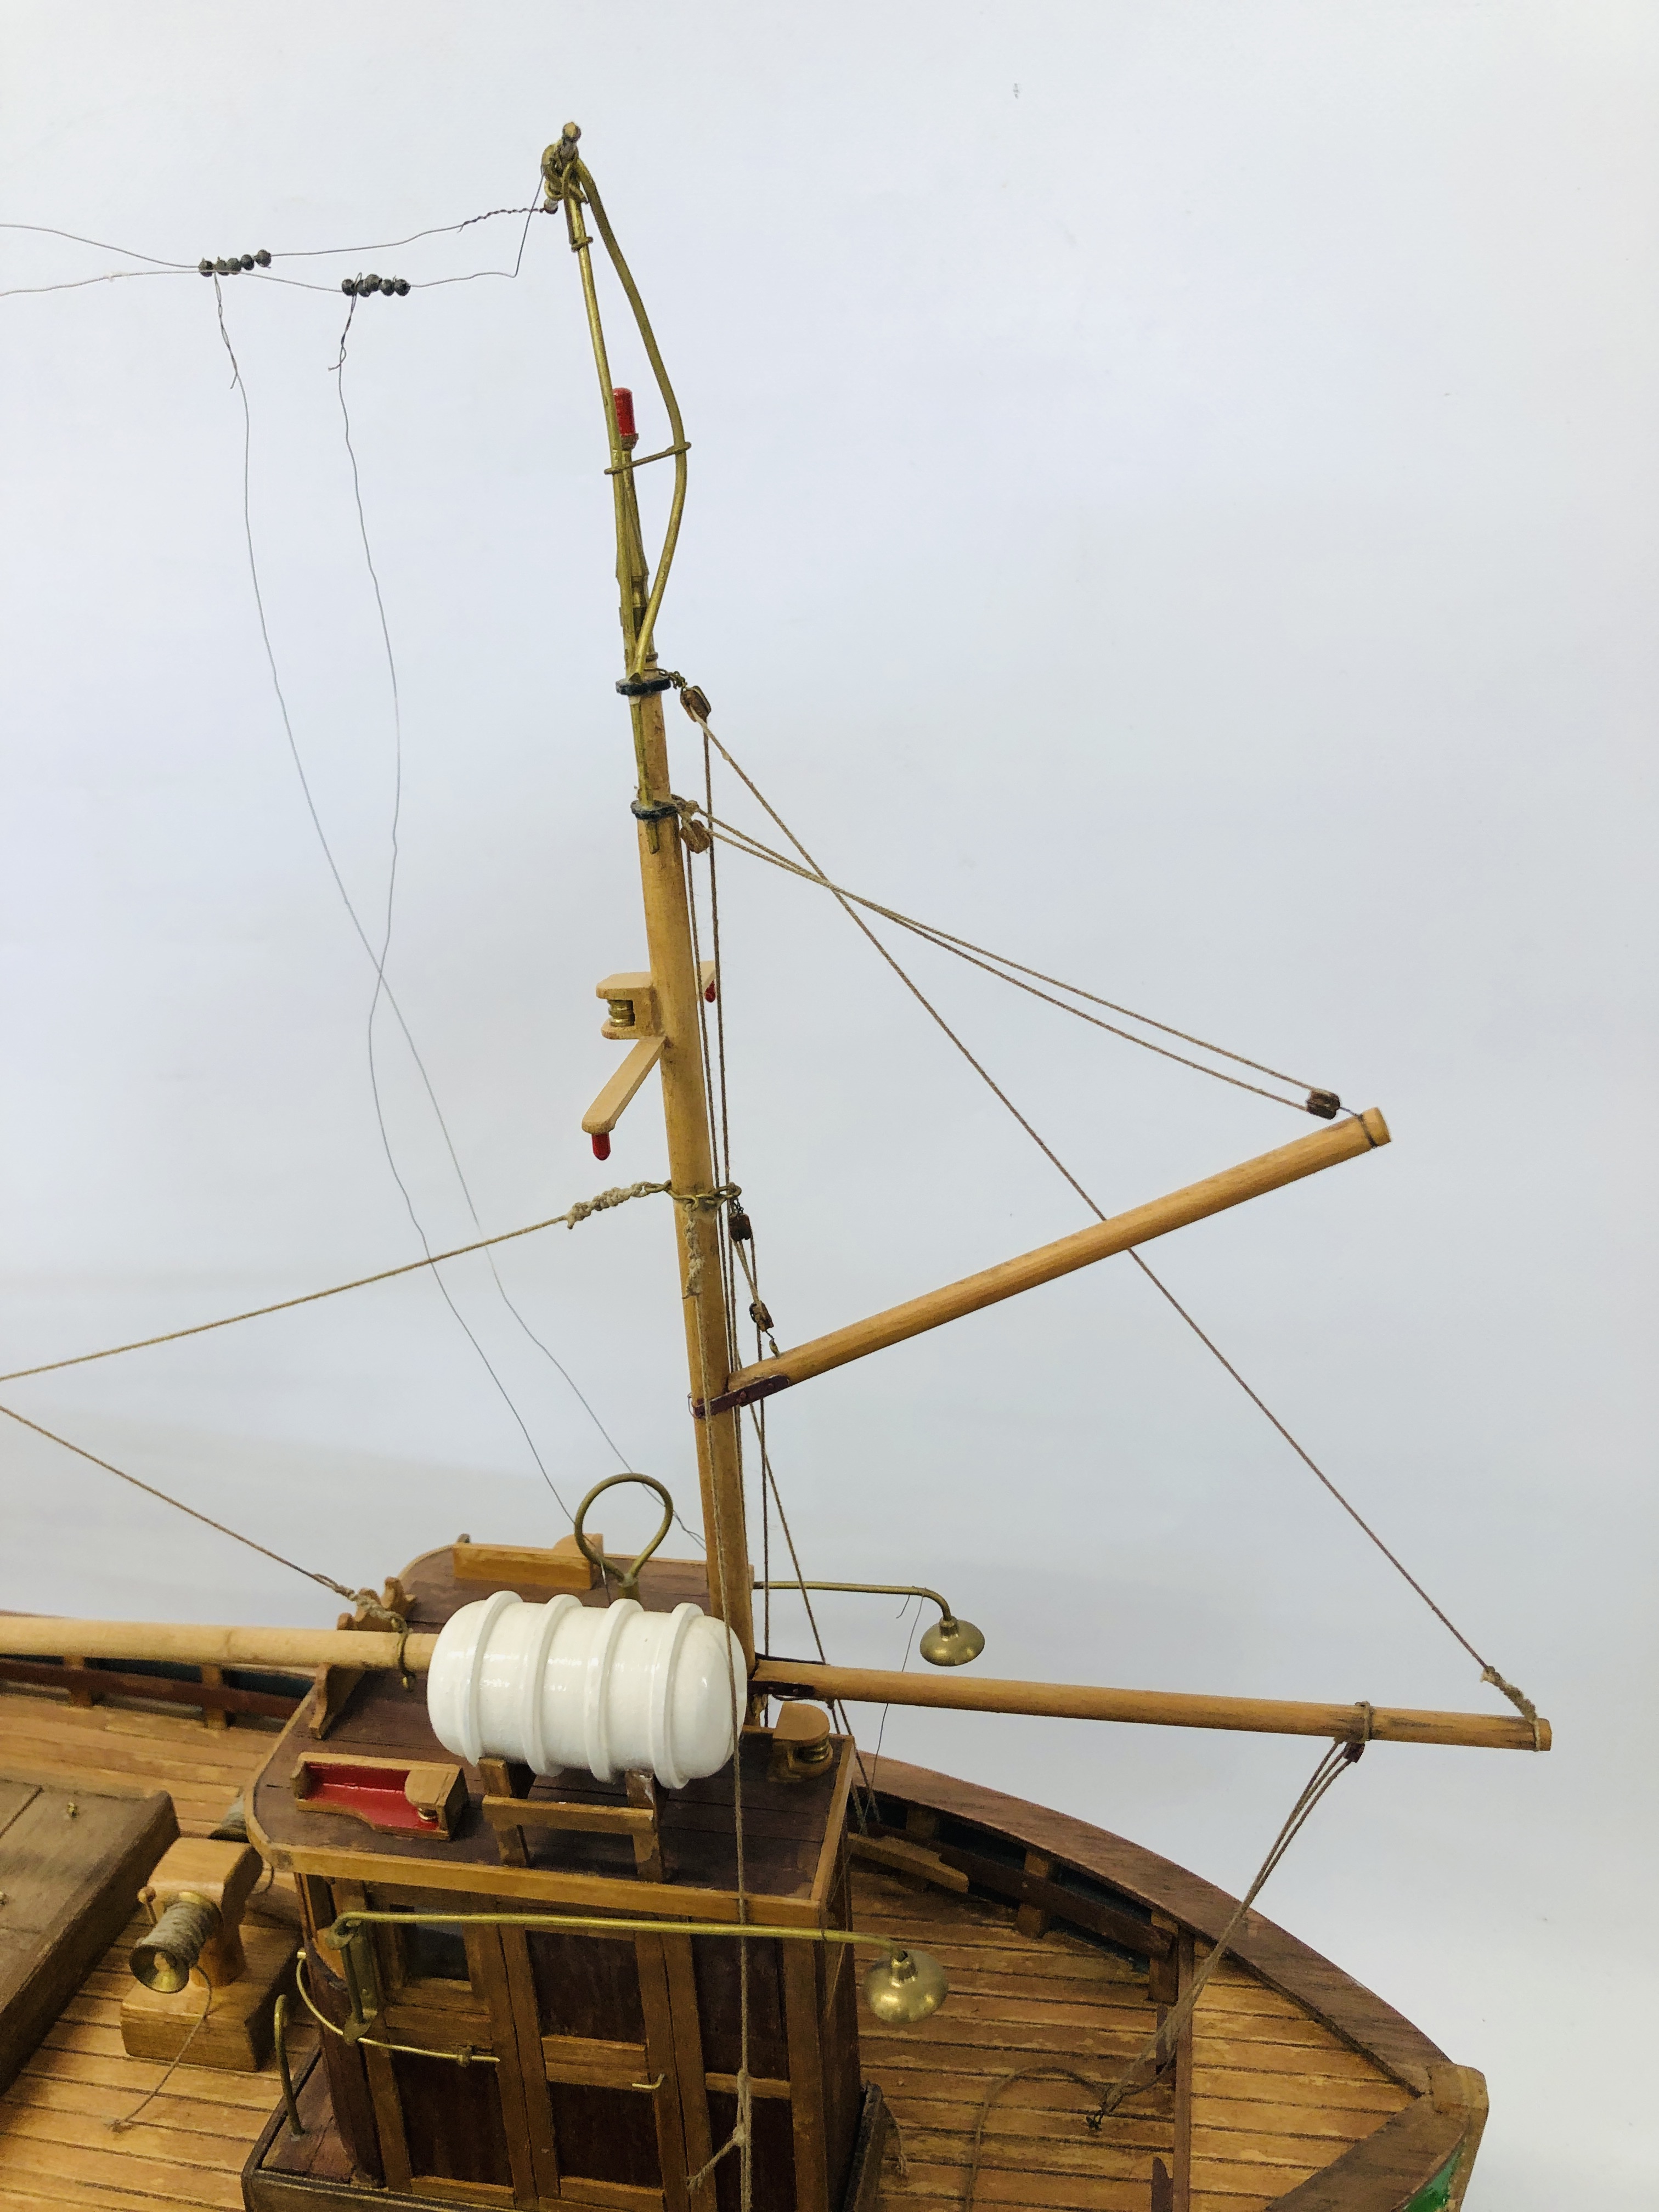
{"points": [[235, 2037], [311, 2173]]}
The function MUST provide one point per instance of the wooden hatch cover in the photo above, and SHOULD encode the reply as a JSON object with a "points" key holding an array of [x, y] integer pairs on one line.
{"points": [[71, 1863]]}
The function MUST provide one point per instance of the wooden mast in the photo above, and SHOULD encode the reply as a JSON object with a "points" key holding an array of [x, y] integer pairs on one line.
{"points": [[674, 973]]}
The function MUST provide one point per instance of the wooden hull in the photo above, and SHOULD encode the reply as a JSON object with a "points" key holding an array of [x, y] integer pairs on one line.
{"points": [[1297, 2089]]}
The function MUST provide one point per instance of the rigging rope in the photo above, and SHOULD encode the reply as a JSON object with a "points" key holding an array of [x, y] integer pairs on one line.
{"points": [[979, 956], [696, 706], [581, 1212], [366, 1598], [120, 2125]]}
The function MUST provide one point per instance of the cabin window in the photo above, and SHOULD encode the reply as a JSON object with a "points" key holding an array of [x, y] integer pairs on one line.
{"points": [[433, 1954]]}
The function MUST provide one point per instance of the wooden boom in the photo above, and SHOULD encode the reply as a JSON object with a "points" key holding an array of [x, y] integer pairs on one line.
{"points": [[1152, 1708], [197, 1643], [30, 1635], [1343, 1140]]}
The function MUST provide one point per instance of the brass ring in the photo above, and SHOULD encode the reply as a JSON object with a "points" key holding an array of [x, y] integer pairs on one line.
{"points": [[627, 1582]]}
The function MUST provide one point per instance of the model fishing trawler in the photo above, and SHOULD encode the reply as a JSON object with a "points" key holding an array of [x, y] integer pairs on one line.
{"points": [[596, 1902]]}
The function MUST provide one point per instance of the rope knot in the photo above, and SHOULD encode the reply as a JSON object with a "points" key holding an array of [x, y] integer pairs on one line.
{"points": [[1523, 1703]]}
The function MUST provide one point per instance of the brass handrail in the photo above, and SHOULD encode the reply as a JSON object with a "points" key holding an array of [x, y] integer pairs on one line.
{"points": [[467, 2055]]}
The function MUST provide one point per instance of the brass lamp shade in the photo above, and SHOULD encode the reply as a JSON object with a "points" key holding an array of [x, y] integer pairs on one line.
{"points": [[950, 1642], [904, 1987]]}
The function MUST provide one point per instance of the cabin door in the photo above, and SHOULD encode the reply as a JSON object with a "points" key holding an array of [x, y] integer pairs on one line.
{"points": [[447, 2105], [595, 2031]]}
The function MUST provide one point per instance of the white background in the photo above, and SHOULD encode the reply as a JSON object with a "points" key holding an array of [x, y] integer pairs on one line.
{"points": [[1171, 498]]}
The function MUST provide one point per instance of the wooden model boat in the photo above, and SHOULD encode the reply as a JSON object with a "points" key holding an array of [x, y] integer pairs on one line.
{"points": [[588, 1924]]}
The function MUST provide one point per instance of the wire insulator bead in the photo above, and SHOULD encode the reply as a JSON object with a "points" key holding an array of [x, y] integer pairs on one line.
{"points": [[360, 288]]}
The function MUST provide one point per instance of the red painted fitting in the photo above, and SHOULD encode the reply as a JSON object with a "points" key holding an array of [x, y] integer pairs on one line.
{"points": [[624, 400], [601, 1146], [709, 995]]}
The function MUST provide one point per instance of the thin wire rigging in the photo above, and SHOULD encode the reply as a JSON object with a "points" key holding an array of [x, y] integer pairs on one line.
{"points": [[387, 245], [81, 283], [100, 244], [382, 986], [339, 881]]}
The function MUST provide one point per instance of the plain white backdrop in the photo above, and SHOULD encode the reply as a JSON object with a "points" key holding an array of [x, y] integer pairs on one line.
{"points": [[1172, 498]]}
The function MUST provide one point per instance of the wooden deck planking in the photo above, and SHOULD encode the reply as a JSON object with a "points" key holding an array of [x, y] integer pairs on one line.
{"points": [[1016, 2001], [1276, 2096], [58, 2145], [58, 2148]]}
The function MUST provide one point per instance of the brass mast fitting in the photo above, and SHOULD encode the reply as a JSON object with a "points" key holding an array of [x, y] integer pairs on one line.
{"points": [[948, 1643], [556, 164]]}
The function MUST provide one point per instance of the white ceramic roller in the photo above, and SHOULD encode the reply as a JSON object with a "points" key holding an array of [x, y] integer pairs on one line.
{"points": [[612, 1688]]}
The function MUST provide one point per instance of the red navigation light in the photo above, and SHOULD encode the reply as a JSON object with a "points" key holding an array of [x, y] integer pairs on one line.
{"points": [[601, 1146]]}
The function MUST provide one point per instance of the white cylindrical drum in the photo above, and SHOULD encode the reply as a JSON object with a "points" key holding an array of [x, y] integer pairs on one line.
{"points": [[612, 1688]]}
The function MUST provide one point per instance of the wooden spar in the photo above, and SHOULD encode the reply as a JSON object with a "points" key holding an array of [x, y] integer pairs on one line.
{"points": [[608, 1109], [691, 1169], [674, 976], [192, 1643], [1150, 1708], [27, 1635], [1343, 1140]]}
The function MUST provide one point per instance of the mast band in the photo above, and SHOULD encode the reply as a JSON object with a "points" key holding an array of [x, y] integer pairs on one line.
{"points": [[643, 687], [746, 1396]]}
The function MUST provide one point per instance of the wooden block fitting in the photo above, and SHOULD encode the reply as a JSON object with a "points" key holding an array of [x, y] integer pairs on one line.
{"points": [[563, 1566], [219, 1875], [800, 1743], [235, 2036]]}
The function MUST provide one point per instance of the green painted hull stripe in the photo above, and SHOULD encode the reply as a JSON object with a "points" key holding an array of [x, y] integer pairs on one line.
{"points": [[1436, 2195]]}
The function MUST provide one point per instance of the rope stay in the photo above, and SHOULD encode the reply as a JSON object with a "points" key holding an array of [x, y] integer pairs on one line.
{"points": [[582, 1210], [998, 964], [696, 705], [366, 1598]]}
